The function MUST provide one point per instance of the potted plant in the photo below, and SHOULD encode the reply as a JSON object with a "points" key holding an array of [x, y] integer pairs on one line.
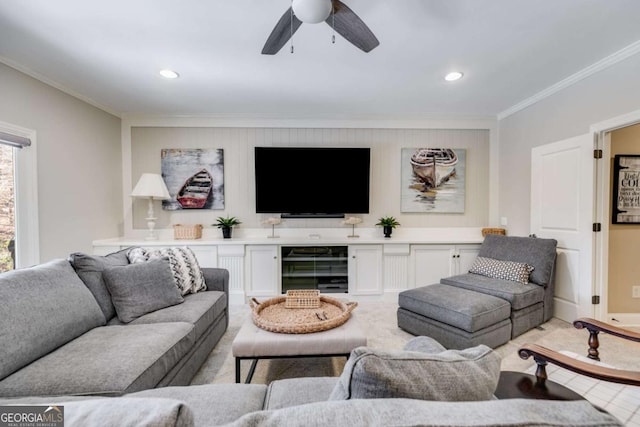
{"points": [[226, 224], [388, 223]]}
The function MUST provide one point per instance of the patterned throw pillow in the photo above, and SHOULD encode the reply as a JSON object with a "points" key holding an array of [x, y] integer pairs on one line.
{"points": [[506, 270], [184, 266]]}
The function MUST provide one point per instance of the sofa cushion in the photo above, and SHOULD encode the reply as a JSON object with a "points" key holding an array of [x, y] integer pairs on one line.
{"points": [[517, 294], [90, 268], [298, 391], [186, 271], [108, 360], [213, 404], [506, 270], [138, 289], [127, 411], [409, 412], [538, 253], [42, 308], [200, 309], [452, 375]]}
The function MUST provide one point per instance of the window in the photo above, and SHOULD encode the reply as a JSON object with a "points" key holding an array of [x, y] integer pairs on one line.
{"points": [[7, 209], [19, 232]]}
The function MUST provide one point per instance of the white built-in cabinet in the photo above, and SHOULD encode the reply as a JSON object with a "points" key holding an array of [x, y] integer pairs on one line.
{"points": [[262, 270], [365, 270], [429, 263], [374, 270]]}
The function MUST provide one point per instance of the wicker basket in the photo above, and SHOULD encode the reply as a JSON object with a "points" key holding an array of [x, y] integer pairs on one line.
{"points": [[486, 231], [271, 315], [190, 232], [305, 298]]}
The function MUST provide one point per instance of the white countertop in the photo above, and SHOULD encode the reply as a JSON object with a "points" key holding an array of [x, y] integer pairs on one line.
{"points": [[307, 236]]}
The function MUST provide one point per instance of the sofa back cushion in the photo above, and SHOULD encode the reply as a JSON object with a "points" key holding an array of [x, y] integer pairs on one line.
{"points": [[90, 269], [42, 308], [536, 252], [138, 289], [451, 375]]}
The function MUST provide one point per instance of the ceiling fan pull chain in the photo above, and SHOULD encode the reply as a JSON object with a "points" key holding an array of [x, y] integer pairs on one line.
{"points": [[291, 27], [333, 24]]}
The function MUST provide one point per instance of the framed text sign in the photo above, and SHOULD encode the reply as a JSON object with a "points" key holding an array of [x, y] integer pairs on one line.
{"points": [[626, 189]]}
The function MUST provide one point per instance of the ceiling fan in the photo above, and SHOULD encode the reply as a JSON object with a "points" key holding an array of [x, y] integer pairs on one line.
{"points": [[334, 12]]}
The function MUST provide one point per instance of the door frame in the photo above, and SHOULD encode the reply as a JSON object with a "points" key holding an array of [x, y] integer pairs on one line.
{"points": [[602, 131]]}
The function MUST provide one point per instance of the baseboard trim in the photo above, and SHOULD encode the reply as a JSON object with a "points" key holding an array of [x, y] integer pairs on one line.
{"points": [[624, 319]]}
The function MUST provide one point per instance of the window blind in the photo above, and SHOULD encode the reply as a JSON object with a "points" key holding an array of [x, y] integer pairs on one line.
{"points": [[14, 140]]}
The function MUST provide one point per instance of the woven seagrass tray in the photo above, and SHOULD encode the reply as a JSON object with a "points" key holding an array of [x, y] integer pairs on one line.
{"points": [[272, 315]]}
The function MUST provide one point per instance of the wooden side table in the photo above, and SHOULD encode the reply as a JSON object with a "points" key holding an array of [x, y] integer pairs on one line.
{"points": [[514, 385]]}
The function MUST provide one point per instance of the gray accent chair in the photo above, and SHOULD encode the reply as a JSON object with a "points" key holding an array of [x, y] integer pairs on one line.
{"points": [[56, 340], [470, 309]]}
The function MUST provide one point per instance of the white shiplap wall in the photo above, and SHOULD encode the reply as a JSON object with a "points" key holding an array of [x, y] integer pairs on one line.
{"points": [[385, 144]]}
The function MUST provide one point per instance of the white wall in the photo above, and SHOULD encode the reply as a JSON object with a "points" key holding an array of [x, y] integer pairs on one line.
{"points": [[570, 112], [79, 163], [385, 144]]}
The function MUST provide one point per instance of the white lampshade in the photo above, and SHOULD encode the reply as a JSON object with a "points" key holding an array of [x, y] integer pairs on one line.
{"points": [[151, 185], [311, 11]]}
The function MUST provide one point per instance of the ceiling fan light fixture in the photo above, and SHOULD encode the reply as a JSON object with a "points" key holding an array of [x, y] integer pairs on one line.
{"points": [[169, 74], [453, 76], [311, 11]]}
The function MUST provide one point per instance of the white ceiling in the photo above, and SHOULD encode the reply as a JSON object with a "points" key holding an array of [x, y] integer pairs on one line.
{"points": [[110, 52]]}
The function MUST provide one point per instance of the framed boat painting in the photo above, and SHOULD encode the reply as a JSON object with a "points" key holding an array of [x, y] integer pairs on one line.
{"points": [[433, 180], [194, 178], [626, 189]]}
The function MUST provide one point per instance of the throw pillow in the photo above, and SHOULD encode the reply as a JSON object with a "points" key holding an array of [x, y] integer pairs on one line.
{"points": [[506, 270], [90, 267], [451, 375], [424, 345], [186, 271], [141, 288]]}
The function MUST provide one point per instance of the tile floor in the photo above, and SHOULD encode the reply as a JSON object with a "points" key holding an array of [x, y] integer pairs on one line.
{"points": [[622, 401]]}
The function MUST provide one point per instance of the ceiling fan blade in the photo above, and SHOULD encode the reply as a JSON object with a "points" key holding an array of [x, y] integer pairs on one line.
{"points": [[281, 33], [351, 27]]}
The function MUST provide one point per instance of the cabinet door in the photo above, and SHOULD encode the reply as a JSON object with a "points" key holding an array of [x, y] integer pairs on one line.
{"points": [[207, 255], [430, 263], [466, 256], [262, 271], [365, 269]]}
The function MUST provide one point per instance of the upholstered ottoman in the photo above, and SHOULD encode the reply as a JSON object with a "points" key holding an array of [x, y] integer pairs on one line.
{"points": [[457, 318]]}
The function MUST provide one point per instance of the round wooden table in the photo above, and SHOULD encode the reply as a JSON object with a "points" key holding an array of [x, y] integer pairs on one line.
{"points": [[513, 385]]}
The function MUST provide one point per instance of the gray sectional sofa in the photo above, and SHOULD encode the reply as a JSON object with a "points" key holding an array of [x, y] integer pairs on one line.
{"points": [[372, 391], [55, 338]]}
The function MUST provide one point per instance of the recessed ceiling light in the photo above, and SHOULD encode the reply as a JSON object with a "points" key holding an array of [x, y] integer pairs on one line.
{"points": [[453, 76], [169, 74]]}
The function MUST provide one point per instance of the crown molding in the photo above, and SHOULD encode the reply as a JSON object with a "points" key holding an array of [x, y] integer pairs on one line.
{"points": [[415, 121], [603, 64], [56, 85]]}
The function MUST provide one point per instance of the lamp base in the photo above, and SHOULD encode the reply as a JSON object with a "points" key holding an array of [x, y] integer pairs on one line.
{"points": [[151, 224]]}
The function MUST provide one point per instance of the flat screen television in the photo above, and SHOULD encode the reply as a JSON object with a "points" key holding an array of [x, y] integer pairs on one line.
{"points": [[312, 182]]}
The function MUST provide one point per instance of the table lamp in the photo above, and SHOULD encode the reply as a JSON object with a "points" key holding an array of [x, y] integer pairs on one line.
{"points": [[151, 186]]}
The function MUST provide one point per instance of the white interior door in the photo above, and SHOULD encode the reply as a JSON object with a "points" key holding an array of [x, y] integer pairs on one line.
{"points": [[562, 206]]}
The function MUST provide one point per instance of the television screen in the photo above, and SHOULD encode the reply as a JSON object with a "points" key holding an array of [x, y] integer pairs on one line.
{"points": [[306, 181]]}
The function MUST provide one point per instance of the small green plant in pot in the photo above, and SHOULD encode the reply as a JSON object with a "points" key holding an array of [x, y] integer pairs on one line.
{"points": [[226, 224], [388, 223]]}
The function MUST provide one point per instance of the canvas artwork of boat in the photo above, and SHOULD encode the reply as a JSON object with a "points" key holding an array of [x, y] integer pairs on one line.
{"points": [[195, 191], [434, 166]]}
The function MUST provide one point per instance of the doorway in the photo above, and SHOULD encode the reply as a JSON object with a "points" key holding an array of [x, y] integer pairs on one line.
{"points": [[616, 247], [622, 283]]}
